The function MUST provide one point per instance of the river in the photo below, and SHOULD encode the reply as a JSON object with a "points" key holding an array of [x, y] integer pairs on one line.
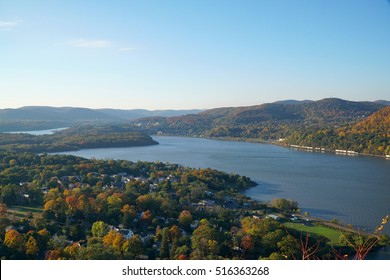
{"points": [[40, 132], [354, 190]]}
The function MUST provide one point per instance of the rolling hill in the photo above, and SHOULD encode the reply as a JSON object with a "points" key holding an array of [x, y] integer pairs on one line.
{"points": [[327, 123], [328, 112], [44, 113], [45, 117], [331, 123], [378, 123]]}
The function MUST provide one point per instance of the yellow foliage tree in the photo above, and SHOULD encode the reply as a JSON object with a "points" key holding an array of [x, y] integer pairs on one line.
{"points": [[32, 246], [114, 239], [13, 239]]}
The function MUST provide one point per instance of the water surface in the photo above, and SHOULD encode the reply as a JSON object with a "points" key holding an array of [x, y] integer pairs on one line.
{"points": [[40, 132], [354, 190]]}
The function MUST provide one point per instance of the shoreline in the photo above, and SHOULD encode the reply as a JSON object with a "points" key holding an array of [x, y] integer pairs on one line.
{"points": [[286, 145]]}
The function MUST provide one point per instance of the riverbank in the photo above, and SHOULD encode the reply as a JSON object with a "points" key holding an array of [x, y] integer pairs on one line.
{"points": [[282, 143]]}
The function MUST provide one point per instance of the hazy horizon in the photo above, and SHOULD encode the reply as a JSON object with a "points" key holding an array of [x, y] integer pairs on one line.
{"points": [[179, 109], [180, 55]]}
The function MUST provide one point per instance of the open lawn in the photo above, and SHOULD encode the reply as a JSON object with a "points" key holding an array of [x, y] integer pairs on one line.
{"points": [[23, 211], [332, 234]]}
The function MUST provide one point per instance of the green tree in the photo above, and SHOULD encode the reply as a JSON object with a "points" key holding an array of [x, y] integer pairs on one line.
{"points": [[284, 204], [129, 215], [98, 251], [203, 241], [133, 247], [100, 229], [289, 247], [270, 240], [164, 247]]}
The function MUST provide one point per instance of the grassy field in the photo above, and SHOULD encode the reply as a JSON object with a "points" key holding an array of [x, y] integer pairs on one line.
{"points": [[24, 211], [332, 234]]}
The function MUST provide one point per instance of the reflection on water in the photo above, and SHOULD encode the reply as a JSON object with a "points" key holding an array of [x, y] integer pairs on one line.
{"points": [[324, 212]]}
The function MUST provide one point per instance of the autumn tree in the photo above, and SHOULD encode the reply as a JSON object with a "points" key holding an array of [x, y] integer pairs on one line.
{"points": [[185, 218], [43, 237], [114, 238], [13, 239], [133, 247], [203, 241], [147, 216], [3, 210], [146, 201], [129, 215], [175, 232], [54, 255], [72, 250], [247, 244], [258, 228], [31, 245], [99, 229]]}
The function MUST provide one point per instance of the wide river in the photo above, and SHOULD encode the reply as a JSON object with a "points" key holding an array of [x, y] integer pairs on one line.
{"points": [[353, 190]]}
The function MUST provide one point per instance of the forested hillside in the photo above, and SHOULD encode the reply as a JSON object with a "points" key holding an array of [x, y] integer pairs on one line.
{"points": [[73, 139], [329, 123], [370, 136]]}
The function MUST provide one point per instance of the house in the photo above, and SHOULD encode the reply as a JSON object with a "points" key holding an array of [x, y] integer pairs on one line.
{"points": [[209, 193], [194, 224], [127, 233], [246, 205], [273, 217], [207, 203], [294, 218]]}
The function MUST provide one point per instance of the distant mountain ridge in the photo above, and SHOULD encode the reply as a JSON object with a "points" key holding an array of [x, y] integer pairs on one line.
{"points": [[292, 101], [142, 113], [327, 123], [329, 110], [46, 113], [279, 110], [383, 102], [76, 114], [326, 111]]}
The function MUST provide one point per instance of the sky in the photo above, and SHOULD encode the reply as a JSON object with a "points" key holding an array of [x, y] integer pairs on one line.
{"points": [[155, 54]]}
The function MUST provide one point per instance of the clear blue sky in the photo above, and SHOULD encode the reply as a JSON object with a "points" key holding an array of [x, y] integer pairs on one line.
{"points": [[192, 54]]}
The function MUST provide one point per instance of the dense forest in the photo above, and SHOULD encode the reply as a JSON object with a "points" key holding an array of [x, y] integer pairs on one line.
{"points": [[370, 136], [66, 207], [73, 139], [330, 124]]}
